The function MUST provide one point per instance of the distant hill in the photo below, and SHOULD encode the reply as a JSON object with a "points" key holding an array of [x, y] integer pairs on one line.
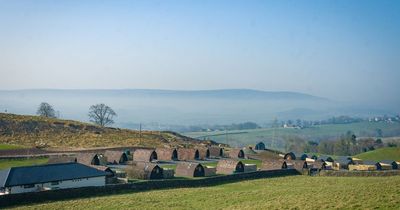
{"points": [[388, 153], [169, 109], [34, 131]]}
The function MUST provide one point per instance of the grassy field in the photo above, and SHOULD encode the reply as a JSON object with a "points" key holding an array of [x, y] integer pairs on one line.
{"points": [[388, 153], [246, 137], [23, 162], [9, 146], [299, 192]]}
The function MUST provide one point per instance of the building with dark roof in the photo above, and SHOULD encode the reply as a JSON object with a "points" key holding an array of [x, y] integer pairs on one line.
{"points": [[260, 146], [49, 177]]}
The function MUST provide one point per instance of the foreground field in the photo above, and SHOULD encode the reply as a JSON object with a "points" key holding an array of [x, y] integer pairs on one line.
{"points": [[299, 192]]}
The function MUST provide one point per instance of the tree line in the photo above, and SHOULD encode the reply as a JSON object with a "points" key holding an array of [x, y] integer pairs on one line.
{"points": [[99, 114]]}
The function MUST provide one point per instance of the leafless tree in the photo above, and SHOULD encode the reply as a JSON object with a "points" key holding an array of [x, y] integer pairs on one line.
{"points": [[101, 114], [46, 110]]}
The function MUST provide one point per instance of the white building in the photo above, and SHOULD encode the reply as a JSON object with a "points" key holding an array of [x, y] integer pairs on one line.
{"points": [[49, 177]]}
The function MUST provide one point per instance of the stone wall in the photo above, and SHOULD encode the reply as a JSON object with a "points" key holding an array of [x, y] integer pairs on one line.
{"points": [[29, 198], [359, 173]]}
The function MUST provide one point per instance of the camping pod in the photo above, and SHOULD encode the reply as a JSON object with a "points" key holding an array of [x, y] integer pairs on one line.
{"points": [[289, 156], [188, 154], [314, 157], [204, 153], [230, 166], [116, 157], [91, 159], [321, 165], [260, 146], [110, 173], [236, 153], [326, 159], [383, 166], [273, 165], [394, 164], [189, 169], [145, 155], [299, 164], [216, 152], [167, 154], [144, 170], [302, 156]]}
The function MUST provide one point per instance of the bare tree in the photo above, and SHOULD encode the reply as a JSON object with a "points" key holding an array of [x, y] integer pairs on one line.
{"points": [[46, 110], [101, 114]]}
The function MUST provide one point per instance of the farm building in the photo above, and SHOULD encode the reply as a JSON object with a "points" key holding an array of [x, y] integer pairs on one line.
{"points": [[289, 156], [216, 152], [167, 154], [116, 157], [110, 173], [61, 159], [260, 146], [144, 170], [273, 165], [188, 154], [145, 155], [49, 177], [230, 166], [91, 159], [236, 153], [204, 153], [189, 169]]}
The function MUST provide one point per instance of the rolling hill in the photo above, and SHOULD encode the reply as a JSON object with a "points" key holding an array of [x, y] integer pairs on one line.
{"points": [[34, 131], [388, 153]]}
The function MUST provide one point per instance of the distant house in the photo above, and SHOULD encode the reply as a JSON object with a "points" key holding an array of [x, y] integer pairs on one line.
{"points": [[49, 177], [230, 166], [145, 155], [189, 169], [216, 152], [116, 157], [144, 170], [289, 156], [188, 154], [236, 153], [91, 159], [260, 146], [167, 154]]}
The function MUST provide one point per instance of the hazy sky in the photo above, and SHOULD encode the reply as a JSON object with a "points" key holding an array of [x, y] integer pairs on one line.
{"points": [[343, 50]]}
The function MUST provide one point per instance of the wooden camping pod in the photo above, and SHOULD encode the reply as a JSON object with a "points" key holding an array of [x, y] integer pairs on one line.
{"points": [[230, 166], [91, 159], [167, 154], [144, 170], [189, 169], [236, 153], [116, 157], [144, 155], [273, 165], [216, 152], [188, 154]]}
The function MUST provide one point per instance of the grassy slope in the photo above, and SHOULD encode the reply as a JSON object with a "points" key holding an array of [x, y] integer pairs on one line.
{"points": [[300, 192], [245, 137], [32, 131], [9, 146], [388, 153], [24, 162]]}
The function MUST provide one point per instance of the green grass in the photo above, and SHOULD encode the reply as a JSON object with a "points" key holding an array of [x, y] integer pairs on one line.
{"points": [[294, 192], [387, 153], [22, 162], [251, 137], [9, 146]]}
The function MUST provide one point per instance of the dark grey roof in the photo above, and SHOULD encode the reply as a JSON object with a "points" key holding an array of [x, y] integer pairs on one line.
{"points": [[369, 162], [46, 173]]}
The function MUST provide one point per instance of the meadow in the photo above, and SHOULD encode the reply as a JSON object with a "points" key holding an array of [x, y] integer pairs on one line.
{"points": [[388, 153], [292, 192]]}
